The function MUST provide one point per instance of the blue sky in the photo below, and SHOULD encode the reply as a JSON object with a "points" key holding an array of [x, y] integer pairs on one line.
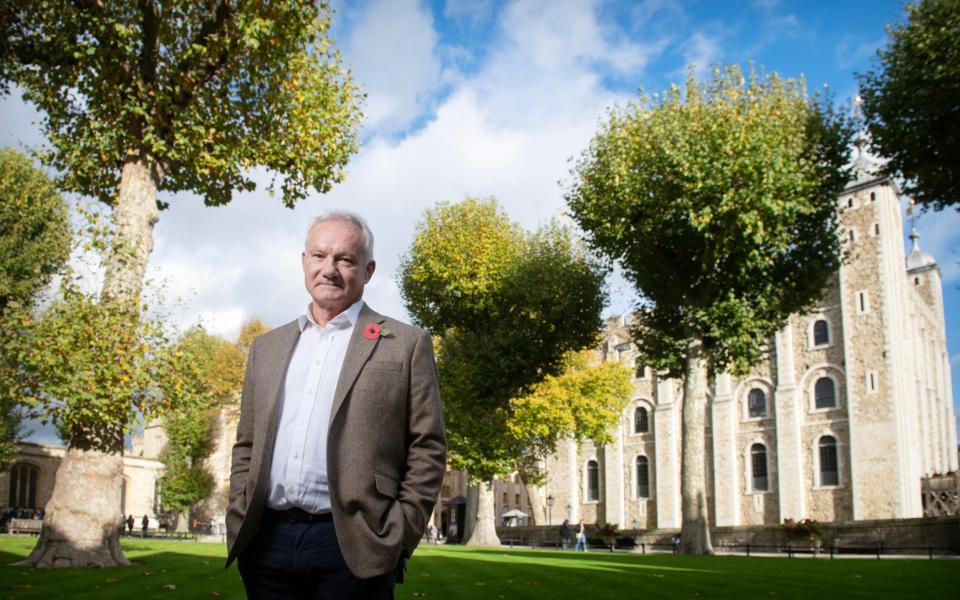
{"points": [[469, 97]]}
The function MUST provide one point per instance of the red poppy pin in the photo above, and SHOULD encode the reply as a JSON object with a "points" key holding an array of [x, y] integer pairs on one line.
{"points": [[373, 331]]}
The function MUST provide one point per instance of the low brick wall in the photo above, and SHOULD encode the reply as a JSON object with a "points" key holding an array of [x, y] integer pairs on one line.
{"points": [[909, 536]]}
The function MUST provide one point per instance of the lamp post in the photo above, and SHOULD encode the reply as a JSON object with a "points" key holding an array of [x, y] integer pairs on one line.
{"points": [[549, 507]]}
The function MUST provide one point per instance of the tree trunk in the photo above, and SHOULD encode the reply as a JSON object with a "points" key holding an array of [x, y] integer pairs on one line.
{"points": [[470, 512], [484, 531], [134, 217], [182, 520], [82, 522], [695, 529], [538, 504]]}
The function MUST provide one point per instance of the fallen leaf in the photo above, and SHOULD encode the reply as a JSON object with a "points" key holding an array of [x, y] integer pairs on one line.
{"points": [[112, 580], [169, 587], [20, 586], [424, 574], [214, 594]]}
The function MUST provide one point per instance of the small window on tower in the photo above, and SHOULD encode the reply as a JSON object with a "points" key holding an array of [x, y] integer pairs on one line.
{"points": [[821, 332], [849, 202], [873, 196], [876, 229]]}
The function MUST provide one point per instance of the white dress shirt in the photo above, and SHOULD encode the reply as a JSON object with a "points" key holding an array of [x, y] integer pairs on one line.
{"points": [[298, 473]]}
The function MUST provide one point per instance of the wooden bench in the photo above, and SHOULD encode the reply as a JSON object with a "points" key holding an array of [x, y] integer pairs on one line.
{"points": [[31, 526], [858, 543]]}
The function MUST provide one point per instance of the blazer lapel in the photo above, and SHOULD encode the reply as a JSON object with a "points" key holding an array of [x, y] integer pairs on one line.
{"points": [[359, 349], [275, 373]]}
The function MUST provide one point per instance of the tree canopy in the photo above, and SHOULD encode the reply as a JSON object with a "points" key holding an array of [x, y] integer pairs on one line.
{"points": [[506, 306], [201, 92], [34, 229], [584, 401], [720, 203], [911, 102], [34, 245]]}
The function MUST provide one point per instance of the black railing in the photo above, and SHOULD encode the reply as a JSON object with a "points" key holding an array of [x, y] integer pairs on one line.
{"points": [[791, 550]]}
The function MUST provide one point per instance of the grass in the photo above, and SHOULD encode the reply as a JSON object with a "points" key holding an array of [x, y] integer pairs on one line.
{"points": [[196, 571]]}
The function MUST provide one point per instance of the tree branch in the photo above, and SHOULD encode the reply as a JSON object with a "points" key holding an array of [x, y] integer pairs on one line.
{"points": [[197, 72], [150, 23]]}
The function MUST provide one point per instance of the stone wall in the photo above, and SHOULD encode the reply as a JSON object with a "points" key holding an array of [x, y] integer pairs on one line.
{"points": [[897, 536]]}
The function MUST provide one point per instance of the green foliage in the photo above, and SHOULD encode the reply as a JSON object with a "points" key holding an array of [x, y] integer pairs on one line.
{"points": [[507, 306], [911, 103], [34, 229], [208, 373], [199, 92], [584, 401], [461, 259], [186, 479], [720, 203], [34, 245], [87, 366]]}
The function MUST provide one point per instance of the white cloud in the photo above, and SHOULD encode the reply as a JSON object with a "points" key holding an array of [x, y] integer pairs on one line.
{"points": [[701, 50], [391, 51], [564, 34]]}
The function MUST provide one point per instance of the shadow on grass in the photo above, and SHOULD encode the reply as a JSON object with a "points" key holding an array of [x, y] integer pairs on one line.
{"points": [[193, 571]]}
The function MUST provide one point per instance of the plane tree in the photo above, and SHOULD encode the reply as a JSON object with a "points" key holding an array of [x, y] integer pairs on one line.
{"points": [[719, 201]]}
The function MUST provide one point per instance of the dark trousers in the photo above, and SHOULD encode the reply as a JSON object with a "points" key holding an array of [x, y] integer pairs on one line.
{"points": [[303, 560]]}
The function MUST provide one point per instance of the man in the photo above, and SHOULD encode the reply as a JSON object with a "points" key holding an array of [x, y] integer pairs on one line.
{"points": [[340, 447]]}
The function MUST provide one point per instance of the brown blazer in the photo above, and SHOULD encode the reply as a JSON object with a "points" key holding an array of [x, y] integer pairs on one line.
{"points": [[386, 447]]}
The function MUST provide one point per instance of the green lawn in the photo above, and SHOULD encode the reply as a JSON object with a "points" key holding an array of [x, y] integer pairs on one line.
{"points": [[196, 571]]}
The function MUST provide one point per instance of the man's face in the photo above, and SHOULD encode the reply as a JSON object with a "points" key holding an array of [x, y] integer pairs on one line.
{"points": [[334, 266]]}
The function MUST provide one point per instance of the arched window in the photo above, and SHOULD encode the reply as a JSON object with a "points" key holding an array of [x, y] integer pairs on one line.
{"points": [[758, 468], [829, 465], [641, 420], [643, 477], [23, 486], [821, 332], [825, 393], [593, 481], [756, 403]]}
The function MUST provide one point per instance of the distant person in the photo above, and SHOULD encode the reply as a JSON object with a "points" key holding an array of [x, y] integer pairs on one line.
{"points": [[429, 533], [676, 544], [565, 534], [130, 522], [581, 537], [144, 525]]}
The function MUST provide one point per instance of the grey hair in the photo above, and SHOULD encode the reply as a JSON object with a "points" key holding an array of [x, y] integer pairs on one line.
{"points": [[350, 218]]}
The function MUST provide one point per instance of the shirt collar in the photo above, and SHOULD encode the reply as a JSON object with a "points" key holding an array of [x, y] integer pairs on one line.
{"points": [[347, 318]]}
